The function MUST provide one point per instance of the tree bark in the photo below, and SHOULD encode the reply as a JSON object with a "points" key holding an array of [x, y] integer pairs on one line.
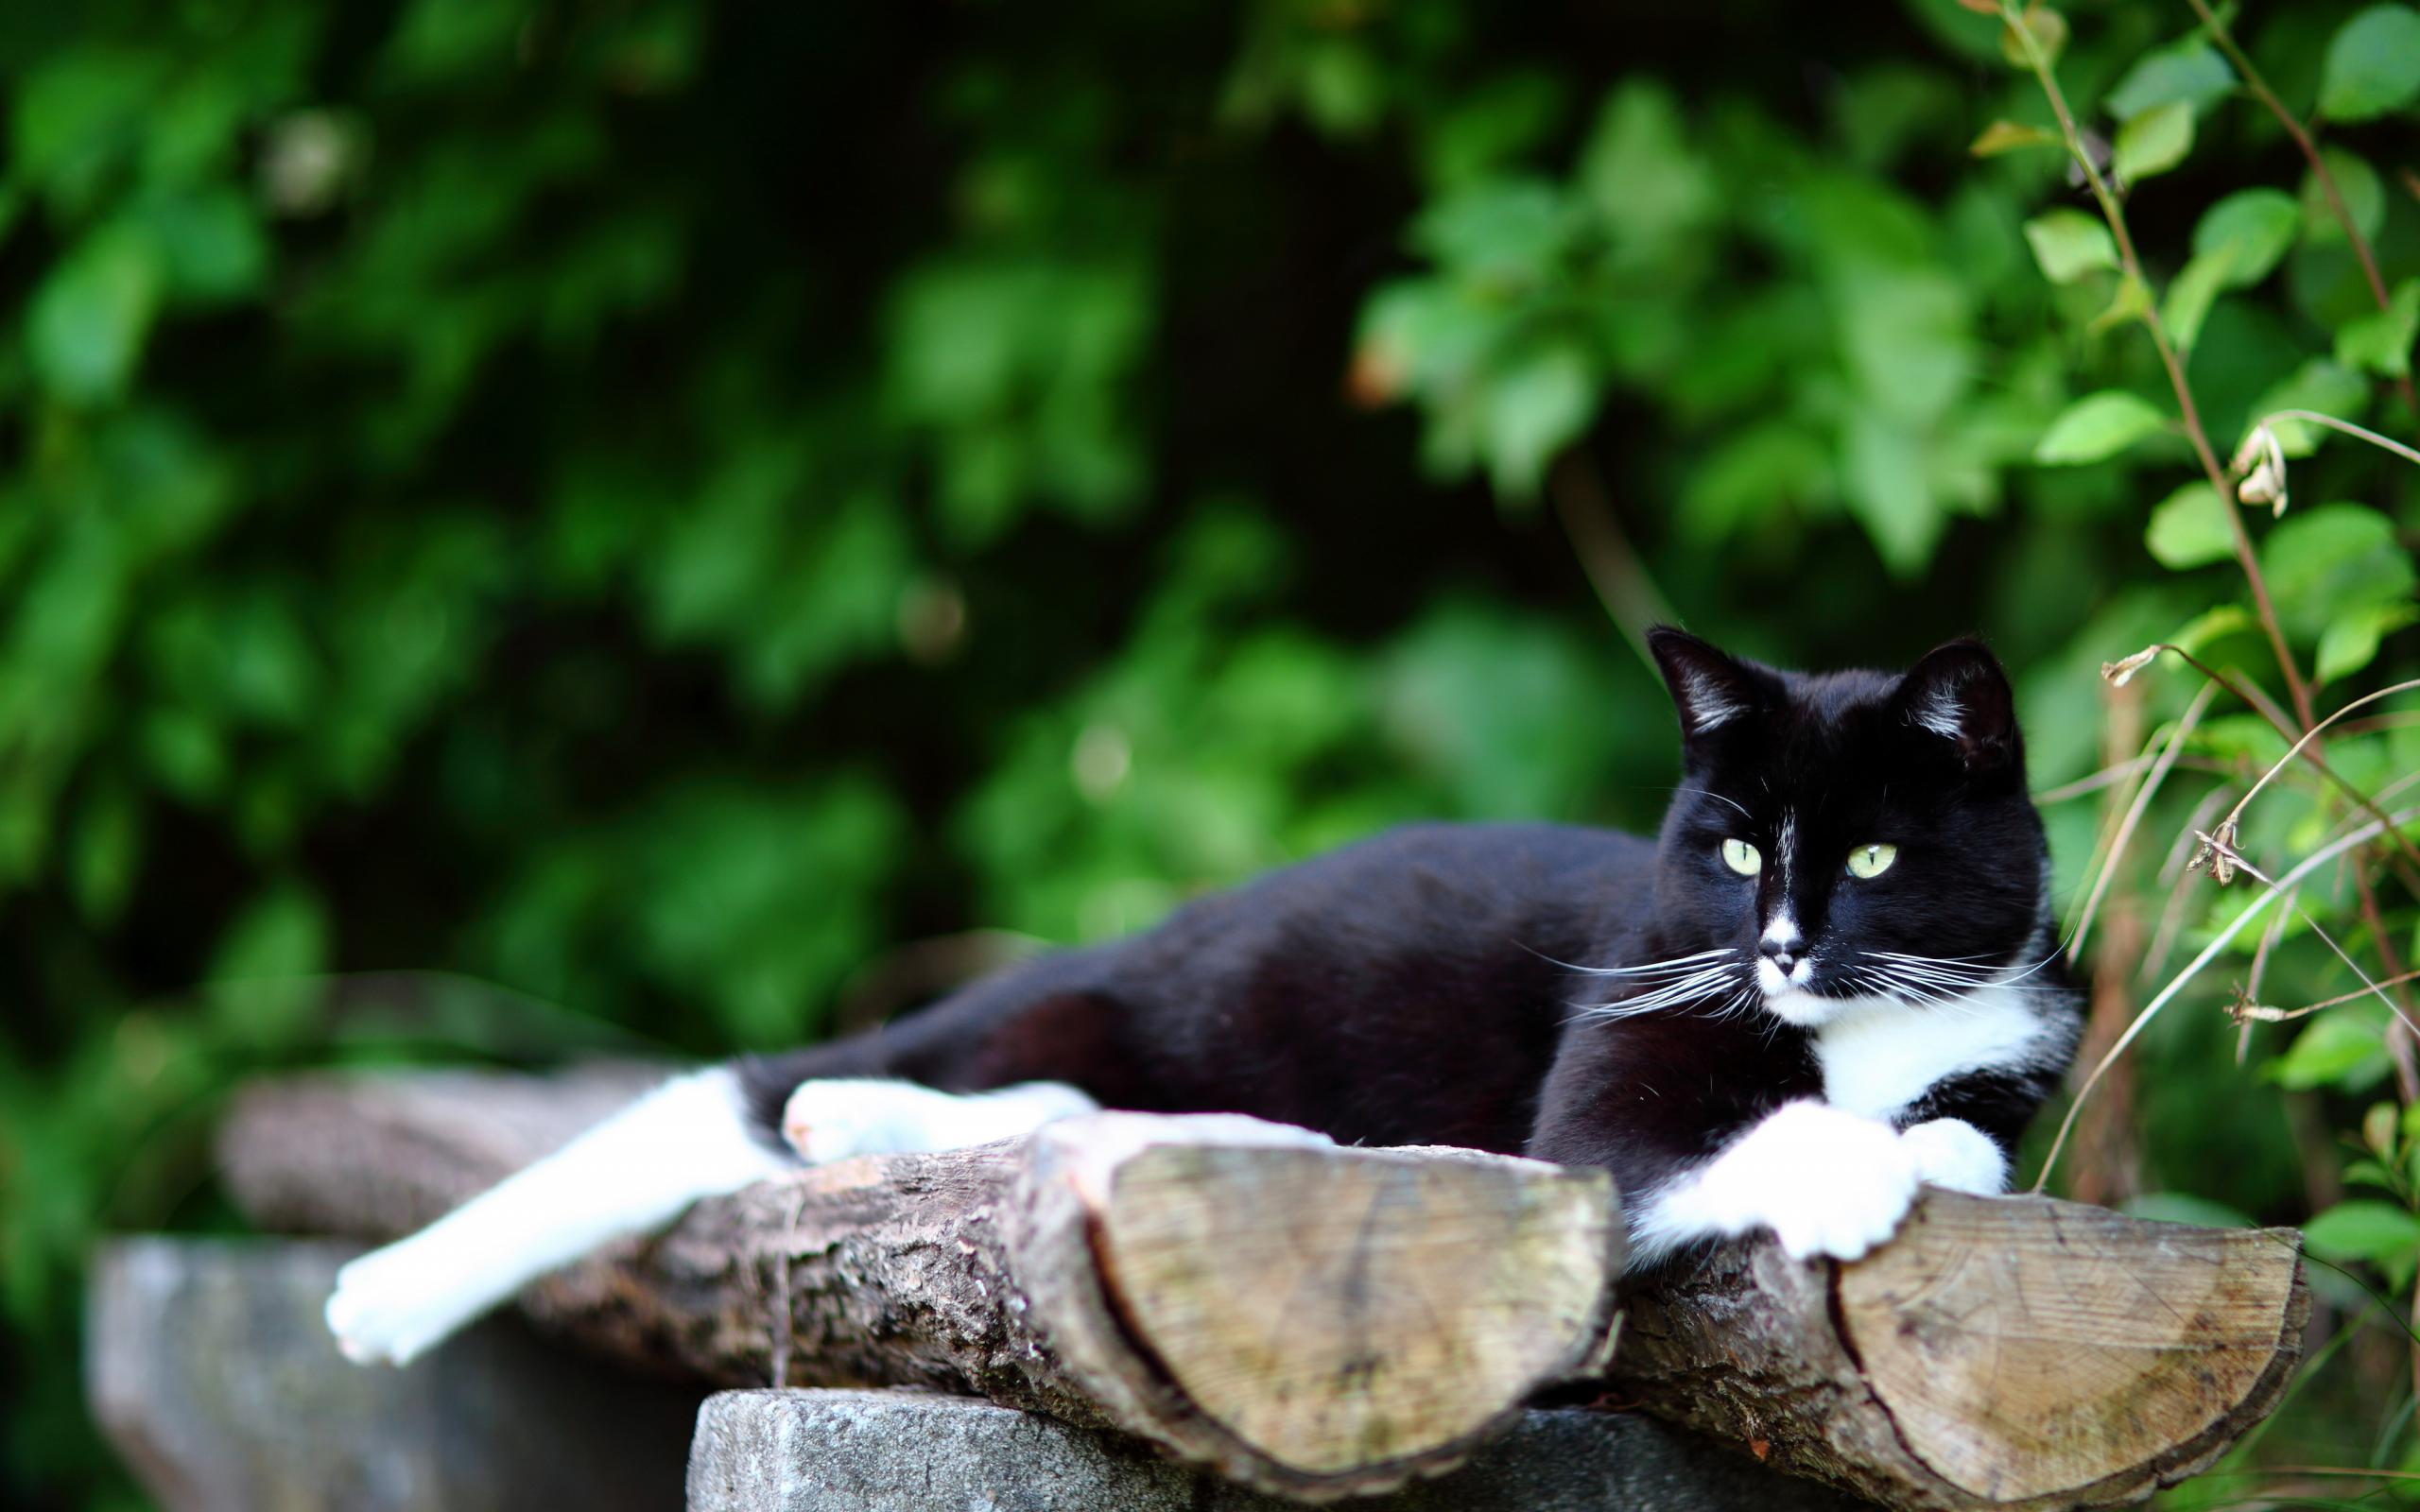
{"points": [[1324, 1322]]}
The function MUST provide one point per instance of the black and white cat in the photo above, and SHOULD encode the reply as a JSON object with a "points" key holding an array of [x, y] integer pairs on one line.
{"points": [[1833, 977]]}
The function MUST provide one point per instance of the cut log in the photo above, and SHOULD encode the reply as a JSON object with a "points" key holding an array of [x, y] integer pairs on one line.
{"points": [[1320, 1322], [1999, 1352], [1310, 1320]]}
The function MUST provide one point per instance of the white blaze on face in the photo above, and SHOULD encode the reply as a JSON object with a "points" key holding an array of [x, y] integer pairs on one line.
{"points": [[1781, 929]]}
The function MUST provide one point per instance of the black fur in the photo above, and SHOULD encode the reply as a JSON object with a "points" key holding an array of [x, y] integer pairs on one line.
{"points": [[1425, 986]]}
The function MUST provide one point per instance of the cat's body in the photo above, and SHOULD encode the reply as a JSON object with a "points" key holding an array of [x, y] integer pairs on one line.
{"points": [[1745, 1030]]}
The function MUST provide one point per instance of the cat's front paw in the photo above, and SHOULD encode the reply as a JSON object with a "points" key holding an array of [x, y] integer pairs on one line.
{"points": [[1950, 1152], [1826, 1182], [388, 1307]]}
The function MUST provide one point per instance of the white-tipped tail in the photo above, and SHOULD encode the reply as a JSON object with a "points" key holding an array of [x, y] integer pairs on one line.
{"points": [[636, 1171]]}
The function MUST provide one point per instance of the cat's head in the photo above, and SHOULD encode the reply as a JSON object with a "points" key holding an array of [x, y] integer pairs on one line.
{"points": [[1849, 835]]}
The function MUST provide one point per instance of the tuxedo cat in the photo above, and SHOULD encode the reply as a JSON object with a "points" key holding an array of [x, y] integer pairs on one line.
{"points": [[1833, 975]]}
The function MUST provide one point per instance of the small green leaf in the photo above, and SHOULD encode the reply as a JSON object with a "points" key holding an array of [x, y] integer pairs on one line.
{"points": [[2010, 136], [2351, 639], [2068, 244], [2189, 528], [2211, 625], [2322, 563], [2153, 141], [2098, 426], [2373, 65], [2049, 31], [2260, 223], [1529, 412], [2337, 1049], [2194, 290], [2382, 342], [2375, 1231], [91, 315], [2377, 1129], [2190, 70]]}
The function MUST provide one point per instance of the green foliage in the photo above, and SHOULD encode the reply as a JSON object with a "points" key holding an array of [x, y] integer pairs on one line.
{"points": [[643, 512]]}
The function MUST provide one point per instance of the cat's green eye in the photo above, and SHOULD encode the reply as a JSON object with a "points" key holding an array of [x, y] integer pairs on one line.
{"points": [[1742, 857], [1871, 860]]}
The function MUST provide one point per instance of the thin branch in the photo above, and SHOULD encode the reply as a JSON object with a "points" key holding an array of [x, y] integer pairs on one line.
{"points": [[2319, 169], [2255, 1013], [2295, 688]]}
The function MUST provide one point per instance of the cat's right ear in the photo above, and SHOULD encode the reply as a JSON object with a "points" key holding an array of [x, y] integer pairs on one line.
{"points": [[1711, 688]]}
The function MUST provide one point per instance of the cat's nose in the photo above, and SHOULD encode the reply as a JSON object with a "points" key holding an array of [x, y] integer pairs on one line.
{"points": [[1782, 952]]}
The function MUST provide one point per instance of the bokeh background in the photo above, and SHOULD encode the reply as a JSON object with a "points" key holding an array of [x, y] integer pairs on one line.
{"points": [[532, 529]]}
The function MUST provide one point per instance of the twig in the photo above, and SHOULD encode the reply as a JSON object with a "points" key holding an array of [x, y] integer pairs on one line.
{"points": [[2194, 430], [2343, 213], [2255, 1013]]}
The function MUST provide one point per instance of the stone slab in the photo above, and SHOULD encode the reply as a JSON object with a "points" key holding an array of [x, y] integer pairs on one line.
{"points": [[208, 1367], [905, 1452]]}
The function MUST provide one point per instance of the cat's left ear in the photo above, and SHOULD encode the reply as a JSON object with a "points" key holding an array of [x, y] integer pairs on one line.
{"points": [[1959, 692]]}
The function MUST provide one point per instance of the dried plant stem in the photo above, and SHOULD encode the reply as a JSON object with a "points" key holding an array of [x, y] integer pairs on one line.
{"points": [[2309, 735], [2259, 704], [2255, 1013], [2295, 688], [2209, 952], [2251, 75], [2132, 817], [2360, 432]]}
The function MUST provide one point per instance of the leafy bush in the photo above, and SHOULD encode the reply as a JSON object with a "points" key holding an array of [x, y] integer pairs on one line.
{"points": [[635, 516]]}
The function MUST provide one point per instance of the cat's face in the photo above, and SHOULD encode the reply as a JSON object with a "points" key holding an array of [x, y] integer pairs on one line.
{"points": [[1849, 835]]}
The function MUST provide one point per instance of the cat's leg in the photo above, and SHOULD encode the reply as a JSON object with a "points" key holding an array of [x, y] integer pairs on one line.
{"points": [[831, 1119], [1950, 1152], [1963, 1131], [636, 1171]]}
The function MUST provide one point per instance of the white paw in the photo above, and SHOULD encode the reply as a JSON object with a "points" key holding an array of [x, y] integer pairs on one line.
{"points": [[1826, 1182], [833, 1119], [389, 1306], [1950, 1152]]}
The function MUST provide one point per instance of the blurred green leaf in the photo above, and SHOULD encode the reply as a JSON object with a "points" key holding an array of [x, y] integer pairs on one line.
{"points": [[2258, 225], [2189, 528], [2153, 141], [2324, 563], [2364, 1231], [2190, 70], [2351, 639], [2336, 1049], [2068, 244], [2381, 343], [88, 322], [2097, 428], [2357, 183], [2373, 64]]}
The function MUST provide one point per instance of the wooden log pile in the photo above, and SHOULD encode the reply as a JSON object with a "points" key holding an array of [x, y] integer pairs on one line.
{"points": [[1324, 1322]]}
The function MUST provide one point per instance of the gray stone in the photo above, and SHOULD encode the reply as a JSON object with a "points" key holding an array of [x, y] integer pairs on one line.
{"points": [[905, 1452], [208, 1367]]}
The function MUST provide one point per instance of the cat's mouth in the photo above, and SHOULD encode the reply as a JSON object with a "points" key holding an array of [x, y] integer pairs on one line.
{"points": [[1780, 981]]}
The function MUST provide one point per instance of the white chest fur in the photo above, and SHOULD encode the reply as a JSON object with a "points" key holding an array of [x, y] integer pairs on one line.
{"points": [[1880, 1055]]}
